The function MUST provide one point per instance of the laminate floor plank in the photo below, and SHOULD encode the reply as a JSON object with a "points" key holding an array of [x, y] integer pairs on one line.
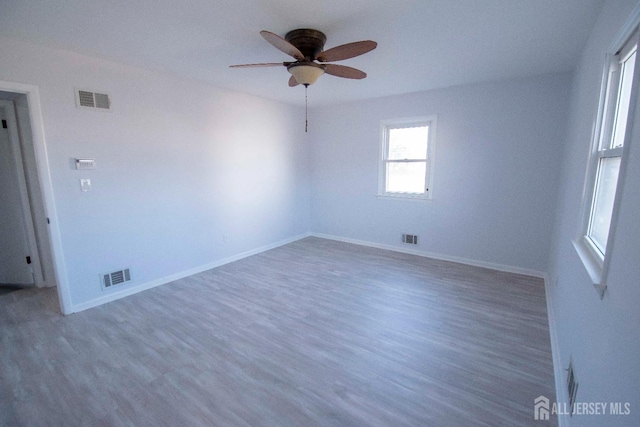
{"points": [[314, 333]]}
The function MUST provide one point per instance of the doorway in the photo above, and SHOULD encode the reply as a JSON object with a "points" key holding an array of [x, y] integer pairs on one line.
{"points": [[30, 246], [18, 247]]}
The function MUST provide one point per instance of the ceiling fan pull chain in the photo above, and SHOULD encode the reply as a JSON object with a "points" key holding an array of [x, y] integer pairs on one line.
{"points": [[306, 46]]}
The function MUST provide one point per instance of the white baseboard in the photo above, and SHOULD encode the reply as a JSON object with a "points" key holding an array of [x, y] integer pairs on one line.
{"points": [[167, 279], [173, 277], [441, 257], [558, 370]]}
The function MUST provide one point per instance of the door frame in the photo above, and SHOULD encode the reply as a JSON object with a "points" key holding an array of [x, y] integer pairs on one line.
{"points": [[25, 204], [46, 187]]}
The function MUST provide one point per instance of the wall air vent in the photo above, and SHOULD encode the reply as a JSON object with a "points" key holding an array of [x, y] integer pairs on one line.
{"points": [[93, 100], [115, 278], [411, 239]]}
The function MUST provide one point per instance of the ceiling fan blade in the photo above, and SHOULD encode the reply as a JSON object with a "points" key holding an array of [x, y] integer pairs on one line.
{"points": [[264, 64], [346, 72], [293, 82], [346, 51], [281, 44]]}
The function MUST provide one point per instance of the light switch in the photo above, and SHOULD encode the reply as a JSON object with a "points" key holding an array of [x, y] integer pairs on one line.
{"points": [[85, 184]]}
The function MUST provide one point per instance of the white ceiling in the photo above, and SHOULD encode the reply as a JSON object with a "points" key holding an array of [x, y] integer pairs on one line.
{"points": [[422, 44]]}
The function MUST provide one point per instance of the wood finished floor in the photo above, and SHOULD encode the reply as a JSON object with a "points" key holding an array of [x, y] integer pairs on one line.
{"points": [[314, 333]]}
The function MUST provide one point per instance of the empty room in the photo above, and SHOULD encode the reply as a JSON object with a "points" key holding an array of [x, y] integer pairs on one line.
{"points": [[319, 213]]}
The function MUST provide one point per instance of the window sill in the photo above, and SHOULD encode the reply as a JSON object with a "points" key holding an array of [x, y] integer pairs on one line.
{"points": [[415, 198], [592, 263]]}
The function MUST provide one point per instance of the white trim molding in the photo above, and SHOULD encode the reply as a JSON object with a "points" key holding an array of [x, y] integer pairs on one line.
{"points": [[383, 160], [441, 257], [177, 276], [46, 186], [558, 370], [604, 144], [173, 277]]}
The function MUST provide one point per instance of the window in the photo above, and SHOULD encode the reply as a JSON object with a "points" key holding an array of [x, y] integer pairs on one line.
{"points": [[606, 160], [406, 158]]}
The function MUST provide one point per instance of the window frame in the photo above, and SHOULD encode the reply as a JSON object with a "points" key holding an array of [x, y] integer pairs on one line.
{"points": [[596, 261], [385, 126]]}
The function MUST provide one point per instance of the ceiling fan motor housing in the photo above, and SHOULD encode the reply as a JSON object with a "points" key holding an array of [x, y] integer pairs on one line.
{"points": [[309, 42]]}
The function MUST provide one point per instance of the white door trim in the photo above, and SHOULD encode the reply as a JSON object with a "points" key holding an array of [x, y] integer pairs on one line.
{"points": [[25, 206], [46, 186]]}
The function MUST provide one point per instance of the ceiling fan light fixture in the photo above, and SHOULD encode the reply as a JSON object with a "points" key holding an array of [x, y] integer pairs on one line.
{"points": [[306, 46], [306, 73]]}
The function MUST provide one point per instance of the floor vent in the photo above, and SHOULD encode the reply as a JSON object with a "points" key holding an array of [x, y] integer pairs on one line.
{"points": [[88, 99], [411, 239], [572, 386], [115, 278]]}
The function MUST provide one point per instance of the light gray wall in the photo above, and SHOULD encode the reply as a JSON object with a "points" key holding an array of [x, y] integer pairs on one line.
{"points": [[497, 161], [602, 337], [179, 165]]}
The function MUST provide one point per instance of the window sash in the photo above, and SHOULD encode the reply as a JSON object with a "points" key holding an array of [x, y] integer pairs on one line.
{"points": [[406, 160], [616, 111], [595, 251], [607, 177], [387, 147], [623, 97], [426, 159], [424, 185]]}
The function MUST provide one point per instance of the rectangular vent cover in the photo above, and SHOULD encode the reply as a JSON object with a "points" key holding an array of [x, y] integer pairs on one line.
{"points": [[572, 386], [411, 239], [115, 278], [88, 99]]}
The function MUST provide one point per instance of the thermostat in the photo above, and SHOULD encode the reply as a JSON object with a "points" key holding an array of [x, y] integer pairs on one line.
{"points": [[85, 164]]}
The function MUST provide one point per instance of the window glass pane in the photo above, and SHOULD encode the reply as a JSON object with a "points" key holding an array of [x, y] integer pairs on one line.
{"points": [[408, 143], [605, 192], [406, 177], [624, 96]]}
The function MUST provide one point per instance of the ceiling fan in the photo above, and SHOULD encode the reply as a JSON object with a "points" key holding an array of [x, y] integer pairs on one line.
{"points": [[306, 47]]}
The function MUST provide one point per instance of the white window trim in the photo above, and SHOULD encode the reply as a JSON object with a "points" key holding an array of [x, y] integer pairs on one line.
{"points": [[431, 121], [597, 265]]}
